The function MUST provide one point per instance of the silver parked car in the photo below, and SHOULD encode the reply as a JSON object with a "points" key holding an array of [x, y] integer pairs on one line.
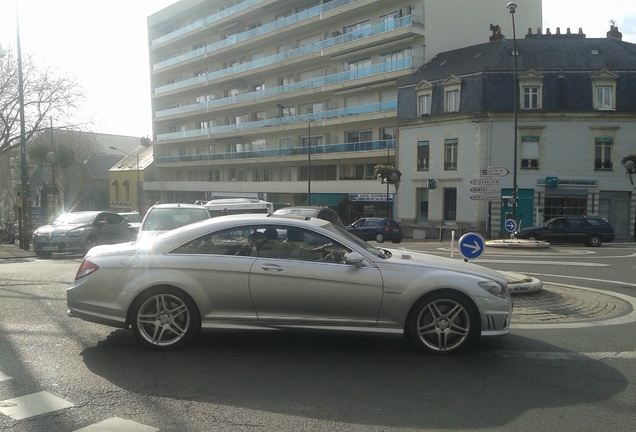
{"points": [[284, 272], [165, 217]]}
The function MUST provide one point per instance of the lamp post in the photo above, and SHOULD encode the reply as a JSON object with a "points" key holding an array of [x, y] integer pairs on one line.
{"points": [[515, 188], [308, 148], [138, 178], [25, 220]]}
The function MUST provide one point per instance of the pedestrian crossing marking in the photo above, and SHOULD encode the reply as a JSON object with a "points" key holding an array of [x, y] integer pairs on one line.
{"points": [[31, 405], [119, 425]]}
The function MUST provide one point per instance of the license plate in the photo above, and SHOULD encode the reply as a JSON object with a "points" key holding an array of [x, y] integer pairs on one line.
{"points": [[49, 248]]}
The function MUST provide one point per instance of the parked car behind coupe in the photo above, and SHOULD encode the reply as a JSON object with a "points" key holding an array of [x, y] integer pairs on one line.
{"points": [[378, 229], [239, 271], [165, 217], [592, 231], [77, 232]]}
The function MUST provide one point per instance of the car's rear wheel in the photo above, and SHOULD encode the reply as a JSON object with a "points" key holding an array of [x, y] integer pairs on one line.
{"points": [[442, 323], [379, 237], [594, 241], [165, 319]]}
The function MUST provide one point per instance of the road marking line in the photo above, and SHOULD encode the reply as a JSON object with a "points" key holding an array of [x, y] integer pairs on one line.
{"points": [[32, 405], [563, 355], [4, 377], [584, 278], [117, 424]]}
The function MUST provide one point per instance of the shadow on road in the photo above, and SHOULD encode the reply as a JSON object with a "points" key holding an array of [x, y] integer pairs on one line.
{"points": [[358, 379]]}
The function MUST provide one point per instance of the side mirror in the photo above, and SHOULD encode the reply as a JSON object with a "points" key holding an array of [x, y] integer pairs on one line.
{"points": [[354, 258]]}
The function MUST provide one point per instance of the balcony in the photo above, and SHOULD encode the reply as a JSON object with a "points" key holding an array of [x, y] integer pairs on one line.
{"points": [[378, 69], [359, 110], [276, 153], [317, 47]]}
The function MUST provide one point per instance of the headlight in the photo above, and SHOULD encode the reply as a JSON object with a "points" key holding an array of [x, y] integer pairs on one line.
{"points": [[494, 288], [75, 232]]}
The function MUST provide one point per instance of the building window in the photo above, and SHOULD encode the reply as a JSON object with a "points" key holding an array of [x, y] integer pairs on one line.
{"points": [[424, 91], [424, 104], [604, 90], [603, 154], [423, 156], [530, 152], [531, 90], [451, 101], [359, 136], [530, 97], [452, 94], [603, 97], [387, 133], [450, 154]]}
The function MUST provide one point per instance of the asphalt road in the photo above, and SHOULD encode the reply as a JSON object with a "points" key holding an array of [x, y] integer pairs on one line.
{"points": [[569, 371]]}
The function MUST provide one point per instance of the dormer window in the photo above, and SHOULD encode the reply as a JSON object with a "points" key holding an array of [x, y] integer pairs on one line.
{"points": [[424, 92], [604, 91], [531, 90], [452, 94]]}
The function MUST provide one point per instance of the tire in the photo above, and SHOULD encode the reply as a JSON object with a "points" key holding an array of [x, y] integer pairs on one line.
{"points": [[90, 242], [532, 237], [379, 237], [594, 241], [165, 319], [442, 323]]}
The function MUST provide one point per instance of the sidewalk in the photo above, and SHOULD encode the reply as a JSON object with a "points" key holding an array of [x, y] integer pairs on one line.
{"points": [[9, 251]]}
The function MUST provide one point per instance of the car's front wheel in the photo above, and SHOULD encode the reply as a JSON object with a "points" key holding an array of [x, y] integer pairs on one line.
{"points": [[90, 243], [442, 323], [594, 241], [165, 319], [532, 237], [379, 237]]}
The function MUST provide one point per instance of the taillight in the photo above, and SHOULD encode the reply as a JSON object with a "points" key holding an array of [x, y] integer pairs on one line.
{"points": [[87, 267], [386, 228]]}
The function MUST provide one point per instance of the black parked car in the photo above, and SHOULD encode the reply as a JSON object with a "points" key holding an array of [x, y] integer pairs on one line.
{"points": [[77, 232], [592, 231], [378, 229]]}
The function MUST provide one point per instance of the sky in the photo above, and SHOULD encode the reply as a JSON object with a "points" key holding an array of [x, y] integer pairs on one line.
{"points": [[103, 45]]}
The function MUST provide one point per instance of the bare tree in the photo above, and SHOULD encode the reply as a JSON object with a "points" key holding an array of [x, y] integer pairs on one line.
{"points": [[45, 96]]}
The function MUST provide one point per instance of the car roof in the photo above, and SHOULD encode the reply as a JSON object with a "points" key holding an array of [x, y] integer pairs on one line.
{"points": [[178, 205]]}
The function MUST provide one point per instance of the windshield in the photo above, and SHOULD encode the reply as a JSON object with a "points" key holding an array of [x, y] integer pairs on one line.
{"points": [[165, 219], [132, 218], [357, 240], [75, 218]]}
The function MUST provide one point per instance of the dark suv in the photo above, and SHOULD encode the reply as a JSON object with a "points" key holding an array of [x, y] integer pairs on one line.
{"points": [[592, 231], [378, 229]]}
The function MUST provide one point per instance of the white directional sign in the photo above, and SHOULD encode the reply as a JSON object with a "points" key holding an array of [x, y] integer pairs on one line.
{"points": [[487, 197], [493, 172], [485, 182], [488, 190]]}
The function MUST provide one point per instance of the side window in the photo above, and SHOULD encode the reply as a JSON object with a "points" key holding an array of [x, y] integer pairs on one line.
{"points": [[305, 245], [239, 241]]}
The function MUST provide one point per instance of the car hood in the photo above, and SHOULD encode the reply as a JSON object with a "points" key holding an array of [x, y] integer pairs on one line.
{"points": [[401, 257], [60, 228]]}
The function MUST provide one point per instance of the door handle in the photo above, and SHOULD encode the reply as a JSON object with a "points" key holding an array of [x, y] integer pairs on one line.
{"points": [[269, 267]]}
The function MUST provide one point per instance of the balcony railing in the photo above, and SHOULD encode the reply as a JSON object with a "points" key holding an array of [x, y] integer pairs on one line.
{"points": [[274, 153], [279, 121], [319, 82], [205, 21], [288, 55]]}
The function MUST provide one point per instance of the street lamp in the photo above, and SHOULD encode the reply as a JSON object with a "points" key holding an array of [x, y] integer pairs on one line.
{"points": [[308, 147], [515, 188], [138, 179], [25, 220]]}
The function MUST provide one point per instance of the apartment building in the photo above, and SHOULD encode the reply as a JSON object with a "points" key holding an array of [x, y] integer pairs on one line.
{"points": [[294, 101]]}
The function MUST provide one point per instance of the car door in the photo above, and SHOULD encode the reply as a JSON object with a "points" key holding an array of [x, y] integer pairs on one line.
{"points": [[311, 286], [113, 229], [555, 232]]}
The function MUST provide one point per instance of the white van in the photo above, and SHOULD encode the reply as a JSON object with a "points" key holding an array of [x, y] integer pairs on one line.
{"points": [[230, 206]]}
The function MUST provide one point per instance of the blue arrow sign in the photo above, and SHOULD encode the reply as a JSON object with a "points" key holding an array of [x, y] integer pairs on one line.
{"points": [[511, 225], [471, 245]]}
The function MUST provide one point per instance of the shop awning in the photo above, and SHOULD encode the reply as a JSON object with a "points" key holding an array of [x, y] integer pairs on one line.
{"points": [[326, 199]]}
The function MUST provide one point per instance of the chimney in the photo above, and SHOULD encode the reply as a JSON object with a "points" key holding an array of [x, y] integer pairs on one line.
{"points": [[496, 33], [614, 33]]}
